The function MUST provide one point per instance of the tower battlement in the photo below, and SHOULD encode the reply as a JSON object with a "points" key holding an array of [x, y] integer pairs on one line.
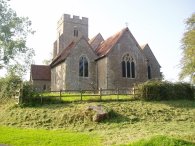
{"points": [[73, 19], [70, 28]]}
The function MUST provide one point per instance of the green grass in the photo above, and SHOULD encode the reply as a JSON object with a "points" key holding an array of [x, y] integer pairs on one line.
{"points": [[161, 141], [71, 97], [35, 137], [129, 120]]}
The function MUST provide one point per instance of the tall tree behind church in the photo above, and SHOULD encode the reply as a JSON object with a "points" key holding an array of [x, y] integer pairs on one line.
{"points": [[188, 50]]}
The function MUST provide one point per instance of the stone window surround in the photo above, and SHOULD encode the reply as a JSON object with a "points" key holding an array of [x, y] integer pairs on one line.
{"points": [[149, 73], [84, 74], [127, 58], [76, 32]]}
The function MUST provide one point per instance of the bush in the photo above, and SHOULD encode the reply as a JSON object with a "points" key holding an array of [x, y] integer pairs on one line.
{"points": [[9, 85], [161, 90], [29, 95]]}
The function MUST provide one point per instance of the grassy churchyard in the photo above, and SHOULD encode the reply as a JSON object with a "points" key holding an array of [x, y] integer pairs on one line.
{"points": [[129, 123]]}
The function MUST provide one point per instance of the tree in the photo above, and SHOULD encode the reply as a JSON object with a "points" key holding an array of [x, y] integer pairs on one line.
{"points": [[13, 34], [48, 60], [188, 50]]}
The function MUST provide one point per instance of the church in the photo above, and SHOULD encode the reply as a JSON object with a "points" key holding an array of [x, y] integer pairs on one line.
{"points": [[80, 63]]}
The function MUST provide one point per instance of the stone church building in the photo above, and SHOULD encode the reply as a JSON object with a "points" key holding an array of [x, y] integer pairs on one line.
{"points": [[82, 63]]}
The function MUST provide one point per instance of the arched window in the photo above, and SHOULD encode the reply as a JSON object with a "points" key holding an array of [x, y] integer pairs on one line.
{"points": [[132, 69], [128, 67], [149, 72], [83, 67], [123, 68]]}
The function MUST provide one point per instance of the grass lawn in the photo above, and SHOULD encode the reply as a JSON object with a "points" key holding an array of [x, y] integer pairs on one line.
{"points": [[37, 137], [129, 122], [160, 140], [70, 97]]}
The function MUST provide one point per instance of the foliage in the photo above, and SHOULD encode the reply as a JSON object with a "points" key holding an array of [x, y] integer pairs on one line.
{"points": [[160, 140], [34, 137], [9, 85], [188, 48], [13, 34], [29, 94], [162, 90]]}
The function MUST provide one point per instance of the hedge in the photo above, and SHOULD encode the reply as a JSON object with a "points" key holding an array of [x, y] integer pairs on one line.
{"points": [[162, 90]]}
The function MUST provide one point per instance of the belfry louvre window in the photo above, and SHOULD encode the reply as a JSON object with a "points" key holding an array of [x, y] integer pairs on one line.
{"points": [[128, 67], [83, 67], [76, 33]]}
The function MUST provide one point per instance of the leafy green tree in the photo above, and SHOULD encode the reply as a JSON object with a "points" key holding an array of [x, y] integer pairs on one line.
{"points": [[188, 50], [13, 34], [9, 85]]}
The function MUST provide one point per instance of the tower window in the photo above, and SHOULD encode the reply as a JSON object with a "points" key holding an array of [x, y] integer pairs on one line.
{"points": [[83, 67], [76, 32]]}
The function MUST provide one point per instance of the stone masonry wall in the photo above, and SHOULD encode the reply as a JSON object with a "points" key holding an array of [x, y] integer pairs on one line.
{"points": [[65, 30], [102, 73], [124, 46], [153, 63], [73, 80], [41, 85], [58, 77]]}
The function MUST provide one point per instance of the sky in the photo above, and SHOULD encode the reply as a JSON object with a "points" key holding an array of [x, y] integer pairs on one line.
{"points": [[160, 23]]}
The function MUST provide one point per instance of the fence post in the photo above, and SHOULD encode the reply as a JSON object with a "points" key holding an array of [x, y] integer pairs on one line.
{"points": [[20, 98], [117, 93], [134, 92], [41, 98], [81, 95], [60, 94], [100, 90]]}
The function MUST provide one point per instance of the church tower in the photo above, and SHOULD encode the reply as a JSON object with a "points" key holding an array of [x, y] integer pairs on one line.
{"points": [[68, 30]]}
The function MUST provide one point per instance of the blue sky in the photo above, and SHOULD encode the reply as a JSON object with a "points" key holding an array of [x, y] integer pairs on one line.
{"points": [[160, 23]]}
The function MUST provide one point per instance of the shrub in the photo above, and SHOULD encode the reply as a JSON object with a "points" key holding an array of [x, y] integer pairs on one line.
{"points": [[162, 90], [29, 95], [9, 85]]}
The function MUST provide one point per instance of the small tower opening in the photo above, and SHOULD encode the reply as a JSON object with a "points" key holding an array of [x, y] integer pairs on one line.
{"points": [[76, 33]]}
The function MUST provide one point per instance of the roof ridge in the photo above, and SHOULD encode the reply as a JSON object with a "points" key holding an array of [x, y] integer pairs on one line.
{"points": [[105, 47], [60, 57], [93, 39]]}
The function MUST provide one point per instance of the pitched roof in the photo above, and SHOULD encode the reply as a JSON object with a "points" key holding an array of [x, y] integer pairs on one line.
{"points": [[40, 72], [62, 56], [107, 45], [96, 41], [148, 53]]}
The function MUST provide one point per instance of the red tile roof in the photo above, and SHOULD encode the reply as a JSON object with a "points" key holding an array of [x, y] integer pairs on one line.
{"points": [[62, 56], [96, 41], [105, 47], [40, 72]]}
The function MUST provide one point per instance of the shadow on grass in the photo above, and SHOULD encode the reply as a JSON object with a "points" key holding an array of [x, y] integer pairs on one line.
{"points": [[114, 117], [160, 140], [177, 103]]}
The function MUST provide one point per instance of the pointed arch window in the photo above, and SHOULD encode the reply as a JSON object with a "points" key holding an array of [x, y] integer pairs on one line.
{"points": [[128, 67], [83, 67], [123, 68], [132, 69], [149, 72]]}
